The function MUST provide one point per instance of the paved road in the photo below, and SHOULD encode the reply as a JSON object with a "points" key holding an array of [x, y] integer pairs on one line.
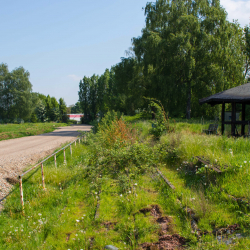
{"points": [[16, 154]]}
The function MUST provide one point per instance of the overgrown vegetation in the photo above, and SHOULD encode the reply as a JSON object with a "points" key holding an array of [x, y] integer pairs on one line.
{"points": [[110, 193]]}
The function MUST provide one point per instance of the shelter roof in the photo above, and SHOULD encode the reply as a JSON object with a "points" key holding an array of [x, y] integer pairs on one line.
{"points": [[238, 94]]}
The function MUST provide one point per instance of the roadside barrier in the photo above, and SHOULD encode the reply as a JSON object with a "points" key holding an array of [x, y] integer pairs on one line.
{"points": [[41, 165]]}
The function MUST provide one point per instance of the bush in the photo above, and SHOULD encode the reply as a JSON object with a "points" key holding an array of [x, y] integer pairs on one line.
{"points": [[18, 121], [161, 123], [71, 122]]}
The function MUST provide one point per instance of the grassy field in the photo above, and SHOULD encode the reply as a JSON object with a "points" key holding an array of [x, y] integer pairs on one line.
{"points": [[11, 131], [110, 193]]}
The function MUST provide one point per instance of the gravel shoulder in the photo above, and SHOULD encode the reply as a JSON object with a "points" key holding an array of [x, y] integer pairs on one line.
{"points": [[17, 154]]}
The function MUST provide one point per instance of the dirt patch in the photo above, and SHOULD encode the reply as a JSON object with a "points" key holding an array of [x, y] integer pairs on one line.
{"points": [[68, 237], [109, 225], [170, 242], [227, 230], [166, 240]]}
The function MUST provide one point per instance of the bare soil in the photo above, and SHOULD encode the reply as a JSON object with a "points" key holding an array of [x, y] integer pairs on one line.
{"points": [[18, 154], [166, 239]]}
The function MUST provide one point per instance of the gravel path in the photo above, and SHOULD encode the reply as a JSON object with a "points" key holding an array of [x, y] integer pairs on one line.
{"points": [[17, 154]]}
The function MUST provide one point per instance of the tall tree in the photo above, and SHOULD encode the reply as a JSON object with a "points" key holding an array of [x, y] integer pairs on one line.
{"points": [[15, 93], [186, 50], [63, 110]]}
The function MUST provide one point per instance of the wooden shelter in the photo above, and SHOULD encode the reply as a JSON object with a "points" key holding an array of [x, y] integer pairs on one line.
{"points": [[237, 95]]}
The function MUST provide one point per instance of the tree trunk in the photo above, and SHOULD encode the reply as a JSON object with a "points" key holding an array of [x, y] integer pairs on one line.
{"points": [[188, 113]]}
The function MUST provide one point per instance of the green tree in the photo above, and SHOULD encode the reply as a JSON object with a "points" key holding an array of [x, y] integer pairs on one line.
{"points": [[15, 93], [247, 52], [76, 109], [187, 49], [63, 110]]}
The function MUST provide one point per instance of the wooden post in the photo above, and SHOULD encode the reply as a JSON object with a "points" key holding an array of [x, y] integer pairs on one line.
{"points": [[55, 160], [75, 142], [243, 119], [42, 176], [64, 155], [222, 118], [70, 149], [21, 191], [233, 118]]}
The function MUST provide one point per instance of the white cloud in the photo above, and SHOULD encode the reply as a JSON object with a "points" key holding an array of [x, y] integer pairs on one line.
{"points": [[237, 9], [75, 77]]}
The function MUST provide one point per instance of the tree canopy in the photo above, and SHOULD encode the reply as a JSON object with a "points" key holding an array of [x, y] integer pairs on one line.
{"points": [[186, 51]]}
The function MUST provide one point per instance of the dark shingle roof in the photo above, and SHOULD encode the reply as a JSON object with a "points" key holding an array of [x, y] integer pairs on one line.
{"points": [[238, 94]]}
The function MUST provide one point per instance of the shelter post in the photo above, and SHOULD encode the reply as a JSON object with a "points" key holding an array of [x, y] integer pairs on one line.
{"points": [[223, 118], [233, 118], [243, 115]]}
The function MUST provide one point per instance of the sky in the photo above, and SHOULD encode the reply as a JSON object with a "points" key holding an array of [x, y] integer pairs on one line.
{"points": [[61, 41]]}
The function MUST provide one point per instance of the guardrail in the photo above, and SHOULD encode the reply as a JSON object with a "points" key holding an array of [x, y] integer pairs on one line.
{"points": [[41, 164]]}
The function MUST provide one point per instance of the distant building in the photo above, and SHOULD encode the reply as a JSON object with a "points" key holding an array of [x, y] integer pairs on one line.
{"points": [[75, 117]]}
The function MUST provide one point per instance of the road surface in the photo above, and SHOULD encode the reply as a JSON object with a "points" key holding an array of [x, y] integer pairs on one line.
{"points": [[17, 154]]}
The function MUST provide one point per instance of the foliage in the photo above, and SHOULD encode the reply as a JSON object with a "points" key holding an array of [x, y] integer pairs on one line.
{"points": [[160, 125], [105, 193], [16, 97]]}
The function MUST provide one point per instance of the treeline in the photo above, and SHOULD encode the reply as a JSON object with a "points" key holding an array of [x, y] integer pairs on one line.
{"points": [[187, 51], [18, 103]]}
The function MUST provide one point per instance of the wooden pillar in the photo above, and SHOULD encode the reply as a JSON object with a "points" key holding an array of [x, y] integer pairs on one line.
{"points": [[243, 114], [233, 118], [222, 118]]}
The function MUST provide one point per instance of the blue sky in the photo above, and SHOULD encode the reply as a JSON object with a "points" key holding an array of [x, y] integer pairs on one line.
{"points": [[59, 42]]}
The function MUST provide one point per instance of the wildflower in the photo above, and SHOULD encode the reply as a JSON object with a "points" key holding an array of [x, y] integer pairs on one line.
{"points": [[245, 161], [121, 195], [177, 169], [129, 192], [135, 184], [76, 234], [215, 160], [84, 215], [95, 192], [205, 166], [40, 214], [205, 184], [77, 221], [240, 166]]}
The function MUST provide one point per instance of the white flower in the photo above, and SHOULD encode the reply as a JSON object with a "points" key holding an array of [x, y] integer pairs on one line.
{"points": [[245, 161], [205, 166], [95, 192], [215, 160], [40, 214], [240, 166], [76, 234], [121, 195], [129, 192], [77, 221], [135, 184]]}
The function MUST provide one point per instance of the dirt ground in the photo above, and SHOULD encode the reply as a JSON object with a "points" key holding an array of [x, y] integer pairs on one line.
{"points": [[17, 154]]}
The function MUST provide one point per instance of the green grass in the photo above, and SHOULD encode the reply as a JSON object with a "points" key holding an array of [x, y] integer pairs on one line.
{"points": [[11, 131], [123, 180]]}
